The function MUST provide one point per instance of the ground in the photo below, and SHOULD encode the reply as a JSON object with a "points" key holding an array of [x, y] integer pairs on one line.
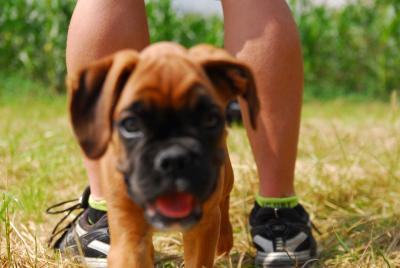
{"points": [[348, 178]]}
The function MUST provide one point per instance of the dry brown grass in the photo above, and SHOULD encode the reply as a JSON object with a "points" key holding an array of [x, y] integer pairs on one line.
{"points": [[348, 178]]}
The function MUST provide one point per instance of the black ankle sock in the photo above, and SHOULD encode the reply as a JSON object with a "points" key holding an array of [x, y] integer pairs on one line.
{"points": [[94, 215]]}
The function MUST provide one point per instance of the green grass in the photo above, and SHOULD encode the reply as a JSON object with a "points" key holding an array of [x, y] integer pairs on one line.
{"points": [[348, 178], [352, 50]]}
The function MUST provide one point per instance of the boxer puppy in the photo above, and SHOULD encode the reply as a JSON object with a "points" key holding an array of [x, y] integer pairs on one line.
{"points": [[155, 120]]}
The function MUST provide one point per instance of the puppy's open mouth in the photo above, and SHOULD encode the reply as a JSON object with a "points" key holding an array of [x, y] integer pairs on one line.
{"points": [[175, 205], [173, 210]]}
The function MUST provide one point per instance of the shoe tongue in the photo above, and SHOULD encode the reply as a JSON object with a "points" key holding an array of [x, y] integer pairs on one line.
{"points": [[175, 205], [102, 222], [94, 215]]}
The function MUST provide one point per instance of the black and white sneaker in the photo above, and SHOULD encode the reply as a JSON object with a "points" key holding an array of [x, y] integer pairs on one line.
{"points": [[85, 242], [282, 237]]}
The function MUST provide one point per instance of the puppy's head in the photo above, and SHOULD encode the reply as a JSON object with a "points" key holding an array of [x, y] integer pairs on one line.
{"points": [[163, 112]]}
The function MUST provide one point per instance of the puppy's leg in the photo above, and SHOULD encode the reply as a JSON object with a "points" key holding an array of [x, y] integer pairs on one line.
{"points": [[225, 241], [131, 235], [131, 240], [200, 242]]}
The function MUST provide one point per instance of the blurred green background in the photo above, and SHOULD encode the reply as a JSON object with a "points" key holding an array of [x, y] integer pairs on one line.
{"points": [[352, 50]]}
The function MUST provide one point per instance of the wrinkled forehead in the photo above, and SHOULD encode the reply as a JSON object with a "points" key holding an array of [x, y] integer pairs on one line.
{"points": [[166, 81]]}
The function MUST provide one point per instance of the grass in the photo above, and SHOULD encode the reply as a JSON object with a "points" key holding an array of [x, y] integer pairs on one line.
{"points": [[348, 178]]}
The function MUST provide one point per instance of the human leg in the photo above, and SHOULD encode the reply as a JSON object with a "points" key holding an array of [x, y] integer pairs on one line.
{"points": [[98, 28], [263, 34]]}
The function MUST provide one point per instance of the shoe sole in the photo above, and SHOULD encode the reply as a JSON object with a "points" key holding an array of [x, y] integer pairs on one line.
{"points": [[284, 259], [94, 262]]}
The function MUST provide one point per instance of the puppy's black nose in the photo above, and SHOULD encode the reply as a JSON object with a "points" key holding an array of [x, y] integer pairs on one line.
{"points": [[173, 159]]}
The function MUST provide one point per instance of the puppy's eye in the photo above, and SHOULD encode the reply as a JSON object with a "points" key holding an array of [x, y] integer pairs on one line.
{"points": [[211, 120], [130, 128]]}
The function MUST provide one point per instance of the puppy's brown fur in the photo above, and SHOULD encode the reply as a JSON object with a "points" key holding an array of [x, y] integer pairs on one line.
{"points": [[99, 93]]}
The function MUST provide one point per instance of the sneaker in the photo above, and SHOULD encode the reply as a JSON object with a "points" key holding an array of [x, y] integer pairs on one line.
{"points": [[85, 242], [282, 236]]}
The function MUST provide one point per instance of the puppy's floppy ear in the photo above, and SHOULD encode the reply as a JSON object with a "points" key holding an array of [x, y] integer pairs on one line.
{"points": [[231, 77], [93, 94]]}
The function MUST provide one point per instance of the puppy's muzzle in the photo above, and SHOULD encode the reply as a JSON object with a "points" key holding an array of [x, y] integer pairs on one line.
{"points": [[176, 205], [175, 163]]}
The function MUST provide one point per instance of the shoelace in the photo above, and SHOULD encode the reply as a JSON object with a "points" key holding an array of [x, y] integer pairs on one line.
{"points": [[53, 210], [79, 203]]}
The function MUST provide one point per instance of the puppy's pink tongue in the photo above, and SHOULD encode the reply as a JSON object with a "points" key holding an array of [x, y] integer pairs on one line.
{"points": [[175, 205]]}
